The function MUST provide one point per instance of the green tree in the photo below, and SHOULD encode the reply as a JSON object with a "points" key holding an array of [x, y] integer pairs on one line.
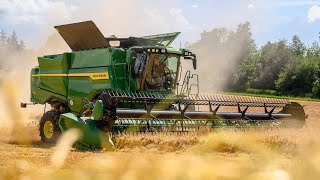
{"points": [[12, 41], [3, 39], [244, 48], [299, 77], [297, 46], [245, 72], [314, 50], [273, 58], [21, 45], [316, 89]]}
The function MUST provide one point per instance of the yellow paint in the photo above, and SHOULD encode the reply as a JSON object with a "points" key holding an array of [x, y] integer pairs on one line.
{"points": [[93, 76], [48, 129], [50, 75]]}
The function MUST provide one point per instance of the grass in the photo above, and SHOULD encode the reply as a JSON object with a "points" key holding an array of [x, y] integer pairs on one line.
{"points": [[273, 96], [271, 154]]}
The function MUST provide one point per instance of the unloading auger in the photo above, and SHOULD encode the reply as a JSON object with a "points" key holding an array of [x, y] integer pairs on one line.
{"points": [[134, 86]]}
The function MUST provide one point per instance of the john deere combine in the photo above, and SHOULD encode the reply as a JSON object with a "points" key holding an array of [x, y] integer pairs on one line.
{"points": [[115, 85]]}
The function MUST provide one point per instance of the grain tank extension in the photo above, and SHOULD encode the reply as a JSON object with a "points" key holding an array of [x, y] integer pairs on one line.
{"points": [[108, 86]]}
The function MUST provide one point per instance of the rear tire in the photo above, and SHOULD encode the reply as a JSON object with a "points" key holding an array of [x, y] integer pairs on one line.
{"points": [[49, 128]]}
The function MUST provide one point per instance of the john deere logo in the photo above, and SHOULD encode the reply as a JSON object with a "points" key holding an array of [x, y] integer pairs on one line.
{"points": [[97, 76]]}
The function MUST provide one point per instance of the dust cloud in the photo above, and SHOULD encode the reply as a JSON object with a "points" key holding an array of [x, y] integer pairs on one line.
{"points": [[15, 84], [112, 18], [217, 57], [219, 53]]}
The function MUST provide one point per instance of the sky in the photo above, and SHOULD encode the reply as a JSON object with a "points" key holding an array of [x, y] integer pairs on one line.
{"points": [[271, 20]]}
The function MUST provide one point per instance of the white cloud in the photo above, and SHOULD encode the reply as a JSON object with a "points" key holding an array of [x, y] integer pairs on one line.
{"points": [[195, 5], [251, 6], [284, 3], [296, 3], [180, 18], [314, 14], [154, 14], [133, 18], [33, 11]]}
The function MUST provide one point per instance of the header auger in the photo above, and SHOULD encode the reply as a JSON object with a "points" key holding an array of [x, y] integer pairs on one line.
{"points": [[135, 86]]}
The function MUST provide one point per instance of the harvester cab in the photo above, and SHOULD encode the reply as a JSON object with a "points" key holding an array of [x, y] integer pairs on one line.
{"points": [[156, 68], [109, 86]]}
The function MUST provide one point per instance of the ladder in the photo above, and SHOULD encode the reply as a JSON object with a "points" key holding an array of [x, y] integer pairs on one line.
{"points": [[187, 84]]}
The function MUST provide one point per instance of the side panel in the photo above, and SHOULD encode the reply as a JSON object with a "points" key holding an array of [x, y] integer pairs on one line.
{"points": [[90, 71], [84, 86], [90, 58], [38, 95], [164, 39], [109, 64], [34, 83], [53, 73]]}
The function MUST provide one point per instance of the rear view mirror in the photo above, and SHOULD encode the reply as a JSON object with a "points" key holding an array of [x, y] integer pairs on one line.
{"points": [[194, 60]]}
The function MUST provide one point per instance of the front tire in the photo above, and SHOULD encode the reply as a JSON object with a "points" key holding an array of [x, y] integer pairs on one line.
{"points": [[49, 128]]}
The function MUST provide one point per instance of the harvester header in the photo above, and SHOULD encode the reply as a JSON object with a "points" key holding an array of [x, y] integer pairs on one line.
{"points": [[108, 86]]}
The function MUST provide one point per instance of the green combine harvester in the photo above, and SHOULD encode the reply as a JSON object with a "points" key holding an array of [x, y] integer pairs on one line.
{"points": [[109, 86]]}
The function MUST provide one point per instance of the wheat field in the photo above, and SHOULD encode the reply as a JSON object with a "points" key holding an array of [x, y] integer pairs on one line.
{"points": [[267, 154]]}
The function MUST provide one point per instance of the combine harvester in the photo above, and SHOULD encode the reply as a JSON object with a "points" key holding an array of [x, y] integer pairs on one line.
{"points": [[109, 86]]}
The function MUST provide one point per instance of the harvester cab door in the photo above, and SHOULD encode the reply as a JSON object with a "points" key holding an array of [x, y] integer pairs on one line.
{"points": [[138, 62]]}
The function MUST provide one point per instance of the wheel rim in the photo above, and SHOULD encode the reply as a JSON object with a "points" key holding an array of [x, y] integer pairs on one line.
{"points": [[48, 129]]}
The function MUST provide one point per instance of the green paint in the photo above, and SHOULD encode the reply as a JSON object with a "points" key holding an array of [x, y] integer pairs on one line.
{"points": [[117, 62], [68, 77], [56, 64], [97, 111], [91, 136], [78, 78]]}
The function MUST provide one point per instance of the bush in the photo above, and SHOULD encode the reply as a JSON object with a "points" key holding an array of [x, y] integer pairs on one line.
{"points": [[316, 89], [298, 78], [262, 91]]}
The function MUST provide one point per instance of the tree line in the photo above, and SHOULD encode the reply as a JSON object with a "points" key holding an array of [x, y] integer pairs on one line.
{"points": [[282, 68], [10, 42]]}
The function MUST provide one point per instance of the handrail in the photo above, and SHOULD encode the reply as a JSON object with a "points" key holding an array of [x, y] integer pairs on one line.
{"points": [[186, 87]]}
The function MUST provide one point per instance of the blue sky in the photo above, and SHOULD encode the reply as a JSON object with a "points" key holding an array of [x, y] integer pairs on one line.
{"points": [[271, 19]]}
